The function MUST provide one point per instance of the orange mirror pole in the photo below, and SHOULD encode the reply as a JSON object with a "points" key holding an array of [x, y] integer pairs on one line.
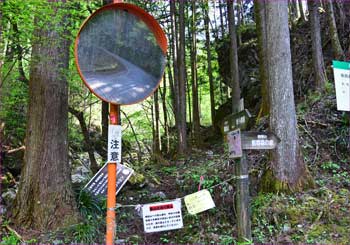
{"points": [[112, 179], [111, 184]]}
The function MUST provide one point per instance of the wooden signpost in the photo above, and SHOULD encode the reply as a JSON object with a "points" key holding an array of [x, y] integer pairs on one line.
{"points": [[239, 141]]}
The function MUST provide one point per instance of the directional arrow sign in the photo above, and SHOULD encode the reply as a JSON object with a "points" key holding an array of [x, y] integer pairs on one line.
{"points": [[259, 140], [236, 120]]}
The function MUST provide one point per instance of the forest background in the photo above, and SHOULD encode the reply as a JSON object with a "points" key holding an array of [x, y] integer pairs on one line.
{"points": [[275, 55]]}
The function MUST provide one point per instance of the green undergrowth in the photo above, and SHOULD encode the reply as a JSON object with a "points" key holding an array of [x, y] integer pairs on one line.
{"points": [[317, 216]]}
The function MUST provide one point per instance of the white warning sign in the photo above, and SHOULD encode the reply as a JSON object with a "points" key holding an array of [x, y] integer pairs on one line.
{"points": [[342, 84], [199, 202], [114, 143], [162, 216]]}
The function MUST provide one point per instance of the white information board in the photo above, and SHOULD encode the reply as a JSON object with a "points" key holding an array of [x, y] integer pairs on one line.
{"points": [[199, 201], [342, 84], [162, 216], [114, 143]]}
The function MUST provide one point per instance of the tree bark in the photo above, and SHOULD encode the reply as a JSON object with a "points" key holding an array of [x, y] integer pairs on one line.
{"points": [[104, 126], [333, 32], [222, 24], [174, 49], [210, 72], [182, 136], [288, 170], [195, 105], [88, 144], [301, 10], [317, 54], [165, 115], [45, 199], [234, 73], [260, 19], [156, 141]]}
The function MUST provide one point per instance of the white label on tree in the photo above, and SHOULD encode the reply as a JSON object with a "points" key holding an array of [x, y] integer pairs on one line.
{"points": [[114, 143], [199, 202], [226, 128], [162, 216], [342, 84]]}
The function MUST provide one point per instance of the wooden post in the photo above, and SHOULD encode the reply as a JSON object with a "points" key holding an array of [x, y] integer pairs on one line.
{"points": [[242, 200], [114, 119]]}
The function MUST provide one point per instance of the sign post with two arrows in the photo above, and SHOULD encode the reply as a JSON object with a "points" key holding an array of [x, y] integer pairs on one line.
{"points": [[238, 142]]}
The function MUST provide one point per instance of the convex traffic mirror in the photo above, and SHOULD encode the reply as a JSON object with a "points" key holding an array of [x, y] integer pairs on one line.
{"points": [[120, 53]]}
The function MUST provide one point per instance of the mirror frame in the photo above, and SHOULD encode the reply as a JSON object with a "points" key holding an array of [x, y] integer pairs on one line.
{"points": [[148, 19]]}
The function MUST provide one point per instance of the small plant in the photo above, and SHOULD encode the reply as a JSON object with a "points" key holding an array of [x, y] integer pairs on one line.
{"points": [[330, 166], [225, 239], [10, 239], [89, 205]]}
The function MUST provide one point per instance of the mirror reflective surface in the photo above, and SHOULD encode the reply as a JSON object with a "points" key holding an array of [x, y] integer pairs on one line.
{"points": [[119, 57]]}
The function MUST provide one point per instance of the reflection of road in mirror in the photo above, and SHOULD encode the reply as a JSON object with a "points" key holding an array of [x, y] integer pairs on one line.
{"points": [[123, 83]]}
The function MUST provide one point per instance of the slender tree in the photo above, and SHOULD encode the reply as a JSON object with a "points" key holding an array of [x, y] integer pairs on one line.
{"points": [[182, 136], [222, 23], [195, 106], [301, 10], [104, 125], [156, 141], [210, 72], [333, 32], [288, 170], [45, 198], [317, 54], [79, 115], [165, 113], [234, 73], [260, 19], [174, 51]]}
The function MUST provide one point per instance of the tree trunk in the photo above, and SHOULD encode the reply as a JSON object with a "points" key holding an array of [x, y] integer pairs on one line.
{"points": [[182, 136], [234, 75], [317, 54], [301, 10], [239, 21], [333, 32], [222, 24], [195, 105], [156, 142], [342, 15], [104, 125], [1, 57], [174, 49], [172, 91], [260, 18], [210, 72], [45, 199], [88, 144], [165, 115], [288, 170]]}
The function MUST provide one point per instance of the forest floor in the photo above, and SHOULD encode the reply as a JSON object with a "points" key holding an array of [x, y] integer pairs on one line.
{"points": [[319, 215]]}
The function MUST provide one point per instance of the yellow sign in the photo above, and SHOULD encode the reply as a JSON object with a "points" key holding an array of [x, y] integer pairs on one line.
{"points": [[199, 202]]}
